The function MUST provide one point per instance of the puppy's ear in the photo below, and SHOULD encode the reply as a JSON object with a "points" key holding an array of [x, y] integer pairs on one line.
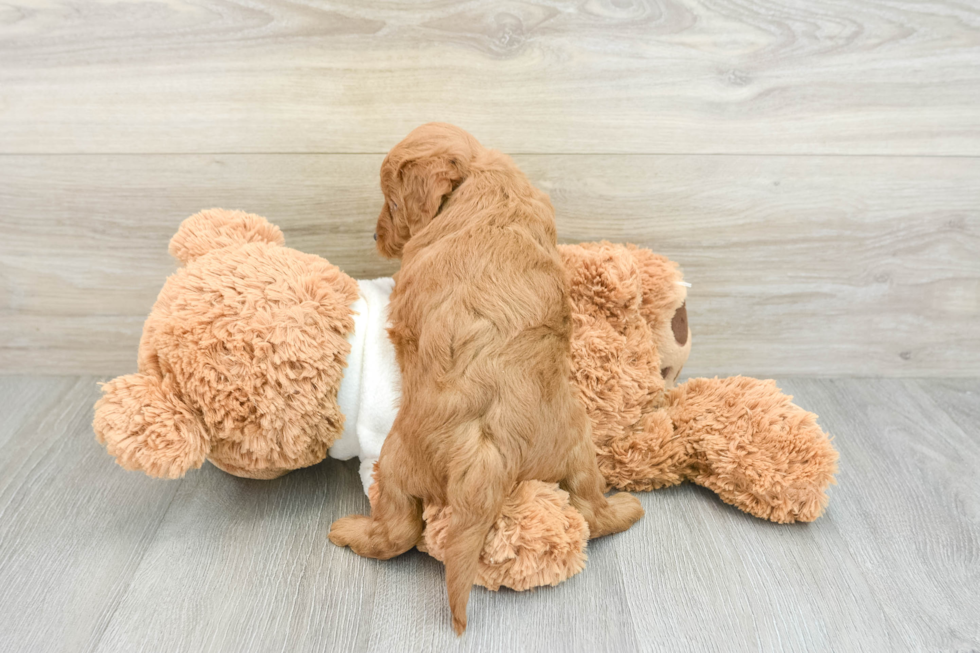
{"points": [[425, 183]]}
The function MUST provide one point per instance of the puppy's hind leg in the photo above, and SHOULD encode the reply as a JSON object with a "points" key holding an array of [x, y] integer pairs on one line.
{"points": [[585, 485], [395, 524], [475, 493]]}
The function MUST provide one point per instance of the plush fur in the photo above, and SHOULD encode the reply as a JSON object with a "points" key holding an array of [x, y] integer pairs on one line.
{"points": [[240, 360], [537, 538], [481, 324]]}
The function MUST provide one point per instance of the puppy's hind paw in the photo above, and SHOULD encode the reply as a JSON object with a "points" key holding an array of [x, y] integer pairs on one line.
{"points": [[623, 510], [348, 529], [459, 624], [627, 508]]}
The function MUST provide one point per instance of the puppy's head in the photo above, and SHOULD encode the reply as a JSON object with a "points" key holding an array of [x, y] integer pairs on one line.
{"points": [[417, 176]]}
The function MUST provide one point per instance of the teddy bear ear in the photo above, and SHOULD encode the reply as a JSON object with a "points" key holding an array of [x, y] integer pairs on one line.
{"points": [[603, 279], [213, 229], [146, 426]]}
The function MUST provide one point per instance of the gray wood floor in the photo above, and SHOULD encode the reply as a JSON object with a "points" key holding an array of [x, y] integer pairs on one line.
{"points": [[93, 558]]}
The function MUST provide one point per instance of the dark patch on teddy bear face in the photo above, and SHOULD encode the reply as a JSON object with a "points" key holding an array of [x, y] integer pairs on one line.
{"points": [[665, 372], [679, 325]]}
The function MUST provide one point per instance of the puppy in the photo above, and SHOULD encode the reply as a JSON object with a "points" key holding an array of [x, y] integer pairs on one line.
{"points": [[480, 321]]}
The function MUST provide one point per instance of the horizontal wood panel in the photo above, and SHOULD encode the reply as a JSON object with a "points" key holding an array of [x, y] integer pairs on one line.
{"points": [[799, 265], [676, 76]]}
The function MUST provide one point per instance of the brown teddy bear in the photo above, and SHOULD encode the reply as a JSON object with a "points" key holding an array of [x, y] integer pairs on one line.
{"points": [[242, 361]]}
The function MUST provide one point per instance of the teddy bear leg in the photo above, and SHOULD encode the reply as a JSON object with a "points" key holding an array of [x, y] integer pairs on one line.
{"points": [[645, 458], [755, 448], [146, 426], [537, 539]]}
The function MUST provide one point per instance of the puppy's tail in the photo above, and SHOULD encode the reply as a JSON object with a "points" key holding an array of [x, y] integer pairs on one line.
{"points": [[476, 495]]}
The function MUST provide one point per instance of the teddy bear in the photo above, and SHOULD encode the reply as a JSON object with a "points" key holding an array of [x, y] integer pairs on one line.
{"points": [[263, 359]]}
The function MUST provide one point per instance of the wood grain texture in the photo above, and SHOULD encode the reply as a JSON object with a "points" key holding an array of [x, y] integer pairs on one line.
{"points": [[22, 400], [910, 473], [557, 76], [245, 565], [800, 265], [73, 526], [93, 558], [959, 398]]}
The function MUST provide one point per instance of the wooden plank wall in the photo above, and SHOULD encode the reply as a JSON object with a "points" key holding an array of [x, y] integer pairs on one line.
{"points": [[814, 165]]}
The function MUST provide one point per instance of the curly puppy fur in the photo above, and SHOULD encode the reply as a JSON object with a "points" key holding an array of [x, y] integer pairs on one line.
{"points": [[481, 326], [240, 359], [537, 539], [740, 437]]}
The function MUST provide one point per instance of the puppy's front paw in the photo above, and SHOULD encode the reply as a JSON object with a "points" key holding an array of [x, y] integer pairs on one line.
{"points": [[348, 530]]}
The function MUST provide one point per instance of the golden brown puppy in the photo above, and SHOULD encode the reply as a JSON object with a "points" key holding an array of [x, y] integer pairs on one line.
{"points": [[481, 325]]}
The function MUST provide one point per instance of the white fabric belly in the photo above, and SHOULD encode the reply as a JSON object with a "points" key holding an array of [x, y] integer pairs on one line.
{"points": [[371, 387]]}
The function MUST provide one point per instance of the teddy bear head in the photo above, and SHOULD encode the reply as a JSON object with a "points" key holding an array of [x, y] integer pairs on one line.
{"points": [[631, 337], [240, 359]]}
